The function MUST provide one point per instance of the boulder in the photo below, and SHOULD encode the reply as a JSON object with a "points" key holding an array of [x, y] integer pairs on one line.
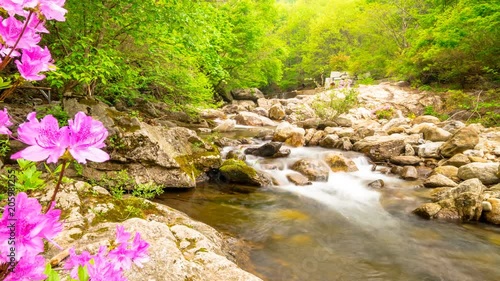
{"points": [[253, 119], [457, 160], [339, 163], [237, 171], [430, 150], [267, 150], [409, 173], [425, 119], [396, 122], [485, 172], [225, 126], [409, 151], [316, 138], [211, 113], [432, 133], [439, 181], [309, 134], [247, 94], [427, 210], [461, 140], [343, 121], [452, 126], [290, 134], [313, 169], [448, 171], [405, 160], [277, 112], [261, 111], [381, 148], [329, 141], [298, 179]]}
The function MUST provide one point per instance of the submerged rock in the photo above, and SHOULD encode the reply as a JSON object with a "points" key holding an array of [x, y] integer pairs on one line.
{"points": [[298, 179]]}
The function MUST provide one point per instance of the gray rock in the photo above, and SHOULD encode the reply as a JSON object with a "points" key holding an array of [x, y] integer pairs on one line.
{"points": [[266, 150], [253, 119], [377, 184], [247, 94], [430, 150], [425, 119], [225, 126], [329, 141], [485, 172], [380, 148]]}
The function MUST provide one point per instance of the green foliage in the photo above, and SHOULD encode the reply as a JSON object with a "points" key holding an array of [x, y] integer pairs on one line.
{"points": [[52, 275], [336, 103], [384, 113], [55, 110], [117, 184], [5, 83], [147, 190], [430, 110], [4, 147]]}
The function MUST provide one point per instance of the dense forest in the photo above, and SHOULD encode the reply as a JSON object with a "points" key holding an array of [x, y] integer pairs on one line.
{"points": [[190, 52]]}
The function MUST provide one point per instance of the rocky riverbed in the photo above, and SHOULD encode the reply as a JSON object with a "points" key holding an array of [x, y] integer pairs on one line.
{"points": [[459, 162]]}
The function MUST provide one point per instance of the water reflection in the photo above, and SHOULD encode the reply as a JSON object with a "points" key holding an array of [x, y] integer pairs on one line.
{"points": [[341, 230]]}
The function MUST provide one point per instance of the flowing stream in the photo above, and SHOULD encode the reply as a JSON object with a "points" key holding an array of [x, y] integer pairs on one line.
{"points": [[341, 229]]}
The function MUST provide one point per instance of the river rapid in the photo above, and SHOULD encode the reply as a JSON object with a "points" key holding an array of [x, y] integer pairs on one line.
{"points": [[341, 229]]}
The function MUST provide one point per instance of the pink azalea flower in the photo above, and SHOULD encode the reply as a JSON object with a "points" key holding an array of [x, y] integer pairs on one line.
{"points": [[4, 122], [45, 139], [52, 9], [11, 28], [33, 61], [75, 261], [29, 268], [127, 253], [103, 270], [87, 138], [31, 227], [14, 7]]}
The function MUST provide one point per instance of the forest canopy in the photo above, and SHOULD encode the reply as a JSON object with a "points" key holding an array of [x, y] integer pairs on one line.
{"points": [[188, 52]]}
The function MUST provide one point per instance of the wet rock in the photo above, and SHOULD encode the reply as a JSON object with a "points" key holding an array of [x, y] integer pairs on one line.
{"points": [[409, 173], [463, 139], [236, 171], [309, 134], [225, 126], [380, 148], [339, 163], [427, 210], [298, 179], [377, 184], [296, 138], [283, 152], [493, 214], [267, 150], [247, 94], [223, 142], [277, 112], [468, 199], [313, 169], [485, 172], [396, 170], [405, 160], [253, 119], [458, 160], [439, 181]]}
